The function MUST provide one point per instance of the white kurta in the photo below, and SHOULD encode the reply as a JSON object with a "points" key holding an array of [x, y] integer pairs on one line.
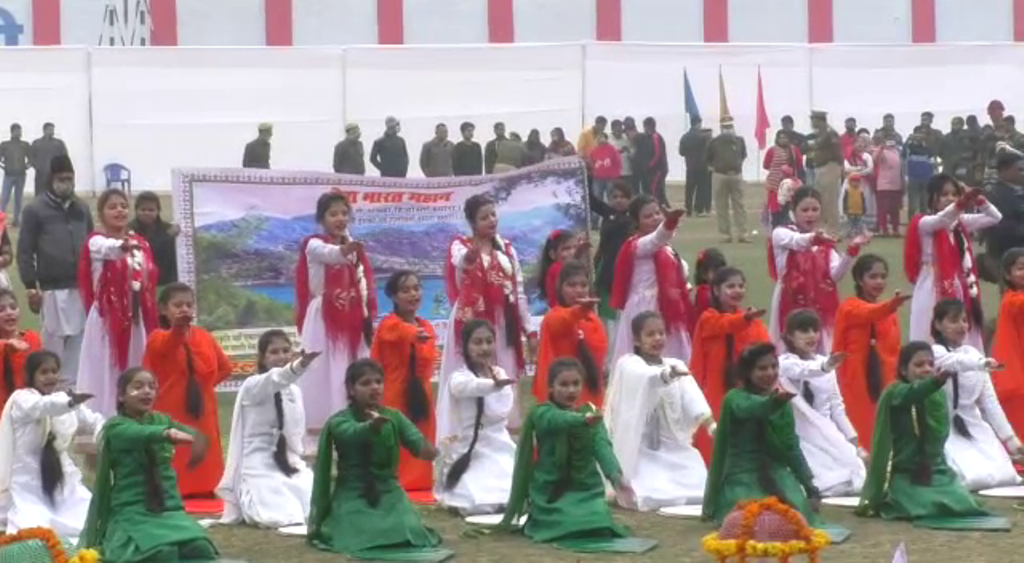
{"points": [[981, 461], [785, 239], [505, 355], [323, 386], [254, 488], [826, 436], [97, 369], [27, 419], [643, 296], [651, 418], [485, 486], [923, 300]]}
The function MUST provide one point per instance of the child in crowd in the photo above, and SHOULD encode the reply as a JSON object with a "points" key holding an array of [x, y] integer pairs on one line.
{"points": [[654, 407], [981, 436], [159, 234], [650, 276], [477, 453], [787, 187], [406, 349], [868, 332], [560, 246], [606, 165], [15, 346], [572, 330], [136, 512], [709, 261], [117, 281], [363, 511], [854, 204], [266, 483], [189, 364], [827, 439], [616, 227], [1006, 344], [806, 267], [938, 255], [335, 306], [40, 486]]}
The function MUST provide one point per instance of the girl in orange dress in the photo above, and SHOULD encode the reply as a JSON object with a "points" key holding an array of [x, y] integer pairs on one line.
{"points": [[15, 346], [188, 364], [709, 261], [868, 331], [573, 329], [1008, 342], [560, 247], [405, 347], [723, 331]]}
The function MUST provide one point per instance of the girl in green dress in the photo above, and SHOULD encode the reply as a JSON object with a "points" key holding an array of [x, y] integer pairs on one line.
{"points": [[757, 452], [908, 477], [362, 511], [136, 512], [562, 491]]}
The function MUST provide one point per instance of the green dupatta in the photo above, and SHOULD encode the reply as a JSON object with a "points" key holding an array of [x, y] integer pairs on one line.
{"points": [[936, 416], [385, 449]]}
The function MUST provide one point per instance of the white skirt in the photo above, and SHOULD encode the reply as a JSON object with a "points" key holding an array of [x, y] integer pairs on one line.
{"points": [[270, 499], [485, 486], [323, 384], [97, 367], [981, 461], [922, 302], [31, 509], [673, 474]]}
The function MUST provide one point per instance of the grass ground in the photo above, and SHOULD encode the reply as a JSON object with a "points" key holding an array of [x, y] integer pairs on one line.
{"points": [[872, 540]]}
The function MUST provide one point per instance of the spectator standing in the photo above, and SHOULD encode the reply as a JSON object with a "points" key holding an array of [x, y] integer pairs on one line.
{"points": [[44, 149], [1007, 195], [14, 158], [53, 231], [920, 166], [588, 138], [656, 167], [436, 154], [888, 130], [467, 157], [725, 157], [348, 154], [606, 165], [798, 140], [888, 185], [932, 137], [536, 152], [849, 136], [693, 147], [511, 154], [160, 235], [828, 168], [491, 149], [957, 152], [779, 156], [624, 146], [388, 154], [257, 151], [559, 145]]}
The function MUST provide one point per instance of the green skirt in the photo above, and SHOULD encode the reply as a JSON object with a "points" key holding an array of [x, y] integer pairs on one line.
{"points": [[137, 535], [576, 514], [354, 526], [944, 497], [746, 486]]}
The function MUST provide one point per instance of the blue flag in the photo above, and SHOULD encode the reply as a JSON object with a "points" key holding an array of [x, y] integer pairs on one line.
{"points": [[691, 101]]}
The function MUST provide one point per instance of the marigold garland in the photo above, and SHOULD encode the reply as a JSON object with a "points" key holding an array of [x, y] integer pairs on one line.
{"points": [[810, 541], [53, 545]]}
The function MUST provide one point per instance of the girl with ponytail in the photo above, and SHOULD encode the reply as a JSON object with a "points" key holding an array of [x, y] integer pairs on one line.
{"points": [[653, 410], [405, 347], [40, 486], [189, 364], [477, 453], [1006, 342], [981, 435], [15, 346], [136, 512], [266, 483], [572, 329]]}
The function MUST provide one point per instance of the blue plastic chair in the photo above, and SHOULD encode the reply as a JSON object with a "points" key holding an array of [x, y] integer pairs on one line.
{"points": [[118, 176]]}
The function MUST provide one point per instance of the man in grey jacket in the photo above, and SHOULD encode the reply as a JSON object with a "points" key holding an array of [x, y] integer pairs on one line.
{"points": [[54, 228], [44, 149], [436, 154]]}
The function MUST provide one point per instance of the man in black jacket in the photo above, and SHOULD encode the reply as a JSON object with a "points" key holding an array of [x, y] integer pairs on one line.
{"points": [[693, 147], [348, 154], [467, 158], [388, 154], [1007, 195], [257, 151], [491, 149]]}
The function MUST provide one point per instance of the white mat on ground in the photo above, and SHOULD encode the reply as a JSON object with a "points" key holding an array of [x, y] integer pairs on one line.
{"points": [[846, 502], [681, 511], [1004, 492], [491, 520]]}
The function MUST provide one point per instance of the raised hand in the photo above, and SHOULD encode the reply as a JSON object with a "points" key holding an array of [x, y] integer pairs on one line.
{"points": [[992, 364], [79, 398], [588, 302], [753, 313], [899, 298], [835, 360], [592, 418], [376, 419], [780, 393], [306, 358], [428, 453], [821, 237], [200, 444], [352, 248], [944, 376], [861, 239], [503, 382], [677, 370], [178, 437], [183, 319], [17, 344], [472, 253], [673, 214]]}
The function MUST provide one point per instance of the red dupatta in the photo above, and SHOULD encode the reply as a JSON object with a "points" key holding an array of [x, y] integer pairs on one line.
{"points": [[673, 294], [807, 282], [551, 284], [947, 263], [114, 293], [480, 291], [346, 307]]}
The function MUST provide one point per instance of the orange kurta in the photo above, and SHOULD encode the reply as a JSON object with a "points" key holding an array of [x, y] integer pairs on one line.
{"points": [[165, 359], [854, 320], [392, 346], [708, 359], [1008, 348], [17, 363], [560, 332]]}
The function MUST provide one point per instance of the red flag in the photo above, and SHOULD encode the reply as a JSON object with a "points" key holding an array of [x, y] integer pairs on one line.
{"points": [[762, 124]]}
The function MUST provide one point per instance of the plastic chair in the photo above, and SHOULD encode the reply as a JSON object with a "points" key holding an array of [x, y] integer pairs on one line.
{"points": [[118, 176]]}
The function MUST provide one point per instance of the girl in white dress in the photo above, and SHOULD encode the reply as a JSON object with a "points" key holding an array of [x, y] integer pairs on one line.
{"points": [[40, 486], [979, 435], [939, 257], [652, 410], [266, 483], [827, 438], [335, 306], [117, 280], [477, 455], [650, 276]]}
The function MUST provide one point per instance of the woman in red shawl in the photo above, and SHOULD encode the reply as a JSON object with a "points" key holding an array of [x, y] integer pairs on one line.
{"points": [[117, 280]]}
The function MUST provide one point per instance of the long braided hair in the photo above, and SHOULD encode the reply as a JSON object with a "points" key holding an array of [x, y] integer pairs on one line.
{"points": [[356, 371], [154, 488], [280, 455], [861, 268], [461, 465], [745, 366], [721, 277], [557, 368], [50, 468], [922, 473], [417, 403], [801, 320], [950, 309], [591, 374], [193, 392]]}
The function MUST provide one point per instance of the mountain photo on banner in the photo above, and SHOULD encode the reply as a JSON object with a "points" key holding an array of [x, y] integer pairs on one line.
{"points": [[247, 235]]}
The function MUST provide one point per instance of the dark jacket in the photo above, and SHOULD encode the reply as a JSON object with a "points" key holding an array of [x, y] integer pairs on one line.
{"points": [[467, 159], [349, 158], [491, 154], [390, 157], [615, 231], [1009, 232], [162, 244], [693, 146], [257, 154], [50, 241]]}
